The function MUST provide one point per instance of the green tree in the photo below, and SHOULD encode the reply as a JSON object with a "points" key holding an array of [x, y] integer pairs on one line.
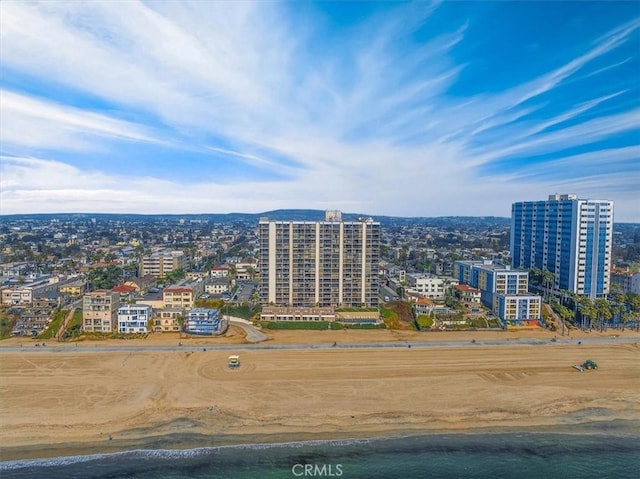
{"points": [[563, 312], [535, 276], [547, 279], [251, 272], [633, 300], [175, 275], [604, 313], [104, 278], [622, 312], [588, 312], [233, 272]]}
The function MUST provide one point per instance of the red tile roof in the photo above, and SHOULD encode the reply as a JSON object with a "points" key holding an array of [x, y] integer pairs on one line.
{"points": [[123, 288], [466, 288]]}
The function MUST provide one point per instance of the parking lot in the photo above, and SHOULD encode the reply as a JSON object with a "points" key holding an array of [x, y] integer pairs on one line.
{"points": [[245, 291]]}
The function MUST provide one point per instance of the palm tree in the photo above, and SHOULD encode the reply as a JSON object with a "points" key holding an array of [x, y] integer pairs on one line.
{"points": [[620, 310], [624, 315], [251, 272], [547, 279], [564, 296], [603, 311], [536, 275], [587, 311]]}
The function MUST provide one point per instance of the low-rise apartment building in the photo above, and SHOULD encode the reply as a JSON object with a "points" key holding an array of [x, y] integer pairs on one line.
{"points": [[204, 322], [162, 262], [218, 286], [427, 285], [627, 281], [178, 298], [73, 288], [168, 320], [502, 289], [100, 311], [220, 271], [17, 295], [134, 318], [518, 309]]}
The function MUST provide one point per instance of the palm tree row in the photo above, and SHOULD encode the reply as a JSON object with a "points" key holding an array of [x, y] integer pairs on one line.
{"points": [[585, 312]]}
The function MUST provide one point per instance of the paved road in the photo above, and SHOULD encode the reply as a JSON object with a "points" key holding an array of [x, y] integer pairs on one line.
{"points": [[88, 347], [254, 335]]}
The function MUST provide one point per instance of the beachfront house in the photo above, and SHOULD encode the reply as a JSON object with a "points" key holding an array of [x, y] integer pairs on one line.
{"points": [[134, 318]]}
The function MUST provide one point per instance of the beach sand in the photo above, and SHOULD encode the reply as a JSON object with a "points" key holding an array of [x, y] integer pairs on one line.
{"points": [[63, 401]]}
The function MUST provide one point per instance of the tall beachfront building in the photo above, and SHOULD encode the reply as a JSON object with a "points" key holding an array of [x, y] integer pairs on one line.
{"points": [[326, 263], [567, 236]]}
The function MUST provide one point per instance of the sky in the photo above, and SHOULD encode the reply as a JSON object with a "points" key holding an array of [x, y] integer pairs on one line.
{"points": [[384, 108]]}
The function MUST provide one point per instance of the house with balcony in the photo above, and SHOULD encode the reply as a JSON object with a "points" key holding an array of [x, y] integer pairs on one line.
{"points": [[467, 295], [16, 295], [134, 318], [168, 320], [178, 298], [100, 311], [203, 322], [427, 285]]}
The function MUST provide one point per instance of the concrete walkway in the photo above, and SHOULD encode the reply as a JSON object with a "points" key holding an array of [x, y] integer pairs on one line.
{"points": [[65, 324], [254, 335]]}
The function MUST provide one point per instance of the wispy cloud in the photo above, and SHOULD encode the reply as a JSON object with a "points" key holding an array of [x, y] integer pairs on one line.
{"points": [[368, 115], [36, 123]]}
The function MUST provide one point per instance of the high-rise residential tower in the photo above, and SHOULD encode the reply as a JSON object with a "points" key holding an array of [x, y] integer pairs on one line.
{"points": [[326, 263], [567, 236]]}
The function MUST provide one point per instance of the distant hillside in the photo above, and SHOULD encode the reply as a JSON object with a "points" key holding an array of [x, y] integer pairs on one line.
{"points": [[626, 231], [278, 215]]}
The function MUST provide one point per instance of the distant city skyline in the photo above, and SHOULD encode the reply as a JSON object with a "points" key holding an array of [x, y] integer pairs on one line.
{"points": [[382, 108]]}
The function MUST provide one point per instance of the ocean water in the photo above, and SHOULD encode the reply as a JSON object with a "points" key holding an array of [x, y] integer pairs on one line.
{"points": [[521, 456]]}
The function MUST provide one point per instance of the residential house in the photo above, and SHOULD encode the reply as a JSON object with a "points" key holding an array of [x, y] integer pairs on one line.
{"points": [[201, 321], [134, 318], [218, 286], [178, 298], [467, 295], [100, 311], [168, 320]]}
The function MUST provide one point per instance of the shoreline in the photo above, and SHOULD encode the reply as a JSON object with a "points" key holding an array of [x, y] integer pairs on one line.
{"points": [[181, 443]]}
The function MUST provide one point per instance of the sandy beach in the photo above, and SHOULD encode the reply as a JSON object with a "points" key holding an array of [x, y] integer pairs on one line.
{"points": [[61, 401]]}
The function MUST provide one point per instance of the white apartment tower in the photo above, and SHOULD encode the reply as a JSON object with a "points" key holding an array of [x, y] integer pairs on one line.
{"points": [[326, 263]]}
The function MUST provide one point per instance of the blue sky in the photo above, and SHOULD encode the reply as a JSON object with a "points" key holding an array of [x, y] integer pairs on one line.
{"points": [[394, 108]]}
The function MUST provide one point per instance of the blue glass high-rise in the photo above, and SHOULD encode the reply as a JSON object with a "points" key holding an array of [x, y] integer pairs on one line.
{"points": [[570, 237]]}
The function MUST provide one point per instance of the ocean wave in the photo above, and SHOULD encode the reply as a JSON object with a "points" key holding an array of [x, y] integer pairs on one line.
{"points": [[522, 443], [173, 453]]}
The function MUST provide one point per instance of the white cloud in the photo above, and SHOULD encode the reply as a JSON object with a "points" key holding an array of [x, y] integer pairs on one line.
{"points": [[36, 123], [369, 121]]}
